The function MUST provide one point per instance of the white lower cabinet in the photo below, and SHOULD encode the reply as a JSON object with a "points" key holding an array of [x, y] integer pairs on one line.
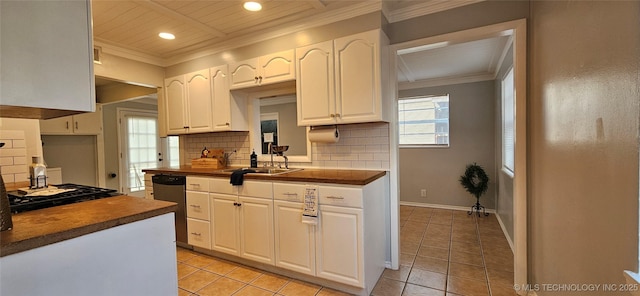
{"points": [[295, 247], [339, 245], [198, 219], [262, 221], [242, 224]]}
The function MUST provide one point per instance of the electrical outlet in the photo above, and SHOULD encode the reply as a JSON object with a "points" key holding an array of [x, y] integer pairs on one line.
{"points": [[423, 192]]}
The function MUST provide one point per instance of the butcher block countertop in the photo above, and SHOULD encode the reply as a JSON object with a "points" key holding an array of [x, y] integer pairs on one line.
{"points": [[34, 229], [349, 177]]}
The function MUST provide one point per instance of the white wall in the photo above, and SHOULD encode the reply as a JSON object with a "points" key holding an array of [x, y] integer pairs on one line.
{"points": [[15, 162]]}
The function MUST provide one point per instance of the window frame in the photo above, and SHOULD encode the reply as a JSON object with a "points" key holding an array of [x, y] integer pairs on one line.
{"points": [[508, 167], [430, 145]]}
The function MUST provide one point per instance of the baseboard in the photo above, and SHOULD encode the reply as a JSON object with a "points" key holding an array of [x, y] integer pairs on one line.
{"points": [[387, 264], [438, 206], [506, 234]]}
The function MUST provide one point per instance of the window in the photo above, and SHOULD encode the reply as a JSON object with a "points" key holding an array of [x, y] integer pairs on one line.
{"points": [[140, 147], [424, 121], [268, 124], [508, 116]]}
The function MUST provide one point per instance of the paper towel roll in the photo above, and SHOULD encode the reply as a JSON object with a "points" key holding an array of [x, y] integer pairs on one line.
{"points": [[324, 135]]}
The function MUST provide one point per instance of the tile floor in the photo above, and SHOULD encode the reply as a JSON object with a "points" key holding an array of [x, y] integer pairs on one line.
{"points": [[443, 252]]}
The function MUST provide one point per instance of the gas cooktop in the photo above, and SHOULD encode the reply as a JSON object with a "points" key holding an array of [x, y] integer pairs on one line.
{"points": [[19, 202]]}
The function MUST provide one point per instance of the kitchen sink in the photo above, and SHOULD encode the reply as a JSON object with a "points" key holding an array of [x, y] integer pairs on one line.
{"points": [[264, 171]]}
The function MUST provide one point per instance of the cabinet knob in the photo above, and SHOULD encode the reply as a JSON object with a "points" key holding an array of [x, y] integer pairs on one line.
{"points": [[260, 79], [67, 125], [76, 125], [185, 127], [332, 115], [227, 124], [337, 114]]}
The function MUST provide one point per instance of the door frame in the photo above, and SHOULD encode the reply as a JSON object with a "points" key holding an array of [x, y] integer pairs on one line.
{"points": [[518, 30], [121, 113]]}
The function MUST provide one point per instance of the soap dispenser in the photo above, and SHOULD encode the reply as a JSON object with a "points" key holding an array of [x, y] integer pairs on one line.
{"points": [[254, 159]]}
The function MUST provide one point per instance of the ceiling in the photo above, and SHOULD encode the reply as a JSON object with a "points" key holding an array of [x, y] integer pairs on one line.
{"points": [[133, 26]]}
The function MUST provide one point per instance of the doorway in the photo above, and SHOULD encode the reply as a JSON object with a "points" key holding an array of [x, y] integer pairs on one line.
{"points": [[139, 147], [516, 32]]}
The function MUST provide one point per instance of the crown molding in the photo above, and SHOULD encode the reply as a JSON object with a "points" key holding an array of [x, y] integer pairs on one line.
{"points": [[445, 81], [122, 52], [424, 8]]}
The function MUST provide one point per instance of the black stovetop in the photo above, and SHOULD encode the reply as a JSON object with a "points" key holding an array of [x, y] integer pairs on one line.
{"points": [[18, 202]]}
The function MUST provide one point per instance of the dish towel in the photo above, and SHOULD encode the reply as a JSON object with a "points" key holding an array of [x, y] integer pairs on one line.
{"points": [[310, 210], [237, 177]]}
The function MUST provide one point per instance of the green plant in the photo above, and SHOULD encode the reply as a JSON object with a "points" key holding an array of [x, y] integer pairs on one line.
{"points": [[475, 180]]}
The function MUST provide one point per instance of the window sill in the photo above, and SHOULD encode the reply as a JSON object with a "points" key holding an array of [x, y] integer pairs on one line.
{"points": [[507, 172], [633, 280]]}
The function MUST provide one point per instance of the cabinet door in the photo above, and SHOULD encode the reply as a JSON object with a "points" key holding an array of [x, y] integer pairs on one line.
{"points": [[198, 233], [339, 245], [57, 126], [315, 84], [357, 70], [224, 224], [221, 98], [256, 229], [294, 240], [198, 101], [244, 74], [88, 123], [175, 101], [276, 67]]}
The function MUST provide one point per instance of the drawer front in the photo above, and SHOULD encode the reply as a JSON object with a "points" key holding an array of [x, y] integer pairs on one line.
{"points": [[198, 205], [219, 185], [197, 184], [341, 196], [289, 192], [256, 189], [199, 233]]}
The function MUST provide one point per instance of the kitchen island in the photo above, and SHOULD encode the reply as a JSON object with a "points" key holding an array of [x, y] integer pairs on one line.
{"points": [[120, 245]]}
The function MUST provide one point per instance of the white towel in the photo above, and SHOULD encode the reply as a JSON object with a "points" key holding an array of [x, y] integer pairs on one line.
{"points": [[310, 211]]}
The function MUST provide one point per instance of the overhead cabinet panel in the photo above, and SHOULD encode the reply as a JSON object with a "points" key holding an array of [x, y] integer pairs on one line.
{"points": [[264, 70], [315, 83]]}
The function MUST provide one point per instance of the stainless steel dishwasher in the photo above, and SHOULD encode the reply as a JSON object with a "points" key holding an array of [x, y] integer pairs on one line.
{"points": [[172, 188]]}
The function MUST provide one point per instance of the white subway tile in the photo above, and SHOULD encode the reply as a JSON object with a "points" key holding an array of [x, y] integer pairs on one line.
{"points": [[21, 177], [365, 156], [19, 144], [8, 178], [11, 135], [13, 152], [14, 169], [6, 161]]}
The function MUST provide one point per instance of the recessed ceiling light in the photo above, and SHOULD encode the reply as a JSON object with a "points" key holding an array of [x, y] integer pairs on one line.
{"points": [[252, 6], [167, 36]]}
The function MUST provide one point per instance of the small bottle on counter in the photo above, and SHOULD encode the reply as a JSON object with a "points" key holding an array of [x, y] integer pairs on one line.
{"points": [[37, 173], [254, 159]]}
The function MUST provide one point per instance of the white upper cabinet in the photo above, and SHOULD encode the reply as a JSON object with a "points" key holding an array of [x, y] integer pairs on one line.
{"points": [[188, 103], [343, 81], [80, 124], [315, 89], [264, 70], [38, 69], [229, 110]]}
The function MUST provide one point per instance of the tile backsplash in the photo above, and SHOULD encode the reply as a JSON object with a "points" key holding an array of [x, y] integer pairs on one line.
{"points": [[361, 146], [13, 156]]}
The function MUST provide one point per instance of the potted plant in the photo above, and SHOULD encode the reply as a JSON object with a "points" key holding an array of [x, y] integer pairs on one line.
{"points": [[476, 182]]}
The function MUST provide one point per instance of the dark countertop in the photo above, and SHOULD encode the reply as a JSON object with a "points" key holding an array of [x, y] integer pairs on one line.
{"points": [[350, 177], [34, 229]]}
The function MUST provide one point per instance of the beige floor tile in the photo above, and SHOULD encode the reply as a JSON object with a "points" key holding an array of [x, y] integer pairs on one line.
{"points": [[467, 287], [407, 259], [440, 220], [185, 270], [497, 262], [253, 291], [244, 274], [466, 258], [423, 210], [298, 288], [200, 261], [197, 280], [500, 277], [415, 226], [467, 271], [387, 287], [465, 237], [399, 275], [222, 287], [428, 279], [409, 247], [499, 290], [420, 217], [182, 292], [415, 290], [270, 282], [431, 264], [184, 254], [330, 292], [220, 267], [428, 251], [468, 247], [411, 236], [438, 243]]}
